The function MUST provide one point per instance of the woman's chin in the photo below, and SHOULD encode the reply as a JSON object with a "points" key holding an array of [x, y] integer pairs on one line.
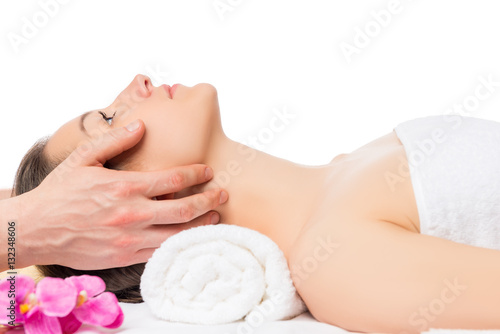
{"points": [[203, 98], [206, 89]]}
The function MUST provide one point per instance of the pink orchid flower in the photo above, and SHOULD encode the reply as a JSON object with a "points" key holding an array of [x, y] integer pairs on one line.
{"points": [[58, 305], [94, 306], [37, 309], [15, 289]]}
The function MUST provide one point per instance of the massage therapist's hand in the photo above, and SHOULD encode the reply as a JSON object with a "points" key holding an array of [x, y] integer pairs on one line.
{"points": [[88, 217]]}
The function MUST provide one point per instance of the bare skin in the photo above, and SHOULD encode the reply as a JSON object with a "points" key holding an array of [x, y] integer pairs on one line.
{"points": [[5, 193], [351, 237]]}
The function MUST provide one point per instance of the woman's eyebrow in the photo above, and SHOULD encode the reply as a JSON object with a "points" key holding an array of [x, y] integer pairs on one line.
{"points": [[82, 119]]}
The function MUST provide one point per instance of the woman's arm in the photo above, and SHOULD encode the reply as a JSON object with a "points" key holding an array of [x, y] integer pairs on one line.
{"points": [[383, 278], [5, 193]]}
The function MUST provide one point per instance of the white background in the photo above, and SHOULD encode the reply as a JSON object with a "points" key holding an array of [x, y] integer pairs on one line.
{"points": [[260, 55]]}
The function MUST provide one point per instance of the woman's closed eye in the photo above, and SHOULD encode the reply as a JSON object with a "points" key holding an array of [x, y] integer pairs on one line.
{"points": [[108, 120]]}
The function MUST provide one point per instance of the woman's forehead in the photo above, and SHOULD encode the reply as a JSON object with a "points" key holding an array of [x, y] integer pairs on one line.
{"points": [[66, 139]]}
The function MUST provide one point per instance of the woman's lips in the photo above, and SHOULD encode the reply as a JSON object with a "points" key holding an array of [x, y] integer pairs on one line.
{"points": [[170, 90], [167, 89], [173, 89]]}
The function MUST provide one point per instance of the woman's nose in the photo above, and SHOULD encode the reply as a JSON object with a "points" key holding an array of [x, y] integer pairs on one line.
{"points": [[139, 89], [142, 85]]}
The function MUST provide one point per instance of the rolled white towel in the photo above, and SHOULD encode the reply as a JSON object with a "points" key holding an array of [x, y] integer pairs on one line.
{"points": [[216, 274]]}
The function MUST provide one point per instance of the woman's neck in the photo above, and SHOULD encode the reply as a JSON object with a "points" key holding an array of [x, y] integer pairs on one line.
{"points": [[266, 193]]}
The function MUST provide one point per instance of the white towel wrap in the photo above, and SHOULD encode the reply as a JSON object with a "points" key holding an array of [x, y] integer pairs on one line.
{"points": [[454, 164], [216, 274]]}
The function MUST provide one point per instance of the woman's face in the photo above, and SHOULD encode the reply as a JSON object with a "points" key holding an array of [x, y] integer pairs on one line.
{"points": [[179, 128]]}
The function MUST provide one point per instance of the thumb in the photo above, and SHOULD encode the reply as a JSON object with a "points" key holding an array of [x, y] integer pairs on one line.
{"points": [[108, 145]]}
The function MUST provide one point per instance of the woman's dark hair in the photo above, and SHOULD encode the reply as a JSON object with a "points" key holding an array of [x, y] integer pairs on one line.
{"points": [[124, 281]]}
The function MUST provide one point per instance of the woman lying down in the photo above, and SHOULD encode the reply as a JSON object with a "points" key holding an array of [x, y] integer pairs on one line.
{"points": [[401, 234]]}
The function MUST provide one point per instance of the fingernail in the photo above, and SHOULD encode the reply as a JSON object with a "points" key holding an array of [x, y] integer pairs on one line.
{"points": [[208, 173], [133, 126], [214, 219], [223, 197]]}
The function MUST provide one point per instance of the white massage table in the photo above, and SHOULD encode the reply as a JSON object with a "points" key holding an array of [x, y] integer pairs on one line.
{"points": [[139, 320]]}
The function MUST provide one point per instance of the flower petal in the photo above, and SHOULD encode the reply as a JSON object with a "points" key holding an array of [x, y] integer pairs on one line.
{"points": [[56, 297], [69, 323], [22, 286], [118, 321], [39, 323], [94, 285], [102, 310]]}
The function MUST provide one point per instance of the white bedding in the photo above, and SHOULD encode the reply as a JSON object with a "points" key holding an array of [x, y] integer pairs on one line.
{"points": [[139, 320]]}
